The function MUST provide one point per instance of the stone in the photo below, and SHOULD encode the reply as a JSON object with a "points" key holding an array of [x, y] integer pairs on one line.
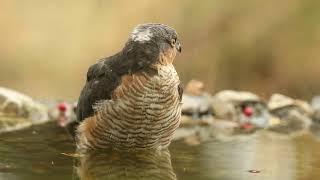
{"points": [[18, 110], [195, 101], [235, 105], [315, 104], [279, 101], [196, 106], [294, 114]]}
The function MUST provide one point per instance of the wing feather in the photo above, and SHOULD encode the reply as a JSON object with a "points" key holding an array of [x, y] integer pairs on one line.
{"points": [[102, 80]]}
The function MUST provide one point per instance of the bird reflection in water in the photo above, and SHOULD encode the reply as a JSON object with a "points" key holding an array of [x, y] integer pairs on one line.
{"points": [[151, 165]]}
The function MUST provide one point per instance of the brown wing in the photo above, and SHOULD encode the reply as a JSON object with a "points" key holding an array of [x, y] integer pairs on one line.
{"points": [[101, 82]]}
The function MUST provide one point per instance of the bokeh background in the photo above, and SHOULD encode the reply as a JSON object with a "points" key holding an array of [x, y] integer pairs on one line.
{"points": [[270, 46]]}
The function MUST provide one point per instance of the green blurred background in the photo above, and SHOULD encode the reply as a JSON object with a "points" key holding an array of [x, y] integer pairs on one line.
{"points": [[260, 46]]}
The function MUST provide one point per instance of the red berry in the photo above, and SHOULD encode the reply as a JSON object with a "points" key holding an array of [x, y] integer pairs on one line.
{"points": [[248, 111], [62, 107]]}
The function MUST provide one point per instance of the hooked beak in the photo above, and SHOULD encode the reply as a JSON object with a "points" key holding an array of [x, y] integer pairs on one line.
{"points": [[178, 46]]}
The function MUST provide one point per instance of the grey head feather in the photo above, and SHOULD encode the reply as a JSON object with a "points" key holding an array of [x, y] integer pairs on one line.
{"points": [[153, 32]]}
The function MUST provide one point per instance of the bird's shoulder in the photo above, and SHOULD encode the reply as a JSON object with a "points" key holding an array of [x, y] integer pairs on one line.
{"points": [[102, 79], [101, 68]]}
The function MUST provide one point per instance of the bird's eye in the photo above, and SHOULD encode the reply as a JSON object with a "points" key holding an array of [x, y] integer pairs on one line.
{"points": [[173, 41]]}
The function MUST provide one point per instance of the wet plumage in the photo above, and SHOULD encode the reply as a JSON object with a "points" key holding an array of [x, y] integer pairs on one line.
{"points": [[132, 100]]}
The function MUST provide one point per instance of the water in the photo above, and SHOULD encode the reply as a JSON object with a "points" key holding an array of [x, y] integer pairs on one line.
{"points": [[35, 153]]}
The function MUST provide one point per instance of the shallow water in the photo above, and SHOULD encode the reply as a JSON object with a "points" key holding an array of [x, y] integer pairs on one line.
{"points": [[35, 153]]}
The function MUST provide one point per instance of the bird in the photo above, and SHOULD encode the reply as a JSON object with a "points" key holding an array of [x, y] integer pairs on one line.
{"points": [[132, 100]]}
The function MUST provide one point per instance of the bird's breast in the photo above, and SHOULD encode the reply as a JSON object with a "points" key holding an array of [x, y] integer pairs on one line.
{"points": [[144, 112]]}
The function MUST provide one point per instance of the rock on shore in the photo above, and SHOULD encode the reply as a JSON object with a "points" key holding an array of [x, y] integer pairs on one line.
{"points": [[19, 111]]}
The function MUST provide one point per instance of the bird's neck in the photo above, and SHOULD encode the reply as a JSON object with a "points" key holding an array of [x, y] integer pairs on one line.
{"points": [[167, 56], [136, 57]]}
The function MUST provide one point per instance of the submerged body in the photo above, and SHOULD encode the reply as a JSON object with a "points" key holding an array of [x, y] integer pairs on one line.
{"points": [[132, 100]]}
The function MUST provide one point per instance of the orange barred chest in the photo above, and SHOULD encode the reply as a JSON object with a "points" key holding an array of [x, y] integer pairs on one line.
{"points": [[143, 114]]}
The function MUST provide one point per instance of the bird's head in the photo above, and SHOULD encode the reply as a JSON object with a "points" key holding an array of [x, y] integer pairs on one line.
{"points": [[154, 40]]}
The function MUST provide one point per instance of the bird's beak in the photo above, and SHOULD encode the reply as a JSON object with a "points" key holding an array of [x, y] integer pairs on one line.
{"points": [[178, 46]]}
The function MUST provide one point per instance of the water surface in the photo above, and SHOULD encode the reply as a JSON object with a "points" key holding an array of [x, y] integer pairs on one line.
{"points": [[35, 153]]}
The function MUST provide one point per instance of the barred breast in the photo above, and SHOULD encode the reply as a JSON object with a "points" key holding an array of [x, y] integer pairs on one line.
{"points": [[143, 113]]}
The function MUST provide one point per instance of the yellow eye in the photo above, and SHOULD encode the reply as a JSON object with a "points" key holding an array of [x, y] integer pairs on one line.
{"points": [[173, 41]]}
